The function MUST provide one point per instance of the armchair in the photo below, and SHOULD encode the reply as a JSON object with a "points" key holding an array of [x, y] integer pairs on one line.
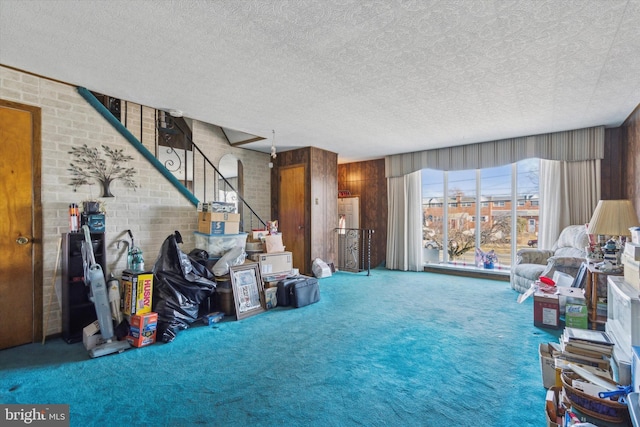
{"points": [[566, 256]]}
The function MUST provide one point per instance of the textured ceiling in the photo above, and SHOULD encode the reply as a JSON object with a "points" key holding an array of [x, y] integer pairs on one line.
{"points": [[362, 78]]}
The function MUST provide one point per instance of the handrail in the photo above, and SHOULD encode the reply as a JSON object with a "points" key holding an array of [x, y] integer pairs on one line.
{"points": [[227, 182], [124, 131], [91, 99]]}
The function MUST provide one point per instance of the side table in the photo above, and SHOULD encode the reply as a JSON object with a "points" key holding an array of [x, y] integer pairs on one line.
{"points": [[591, 291]]}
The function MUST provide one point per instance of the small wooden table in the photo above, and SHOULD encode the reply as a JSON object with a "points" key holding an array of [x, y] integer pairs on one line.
{"points": [[591, 292]]}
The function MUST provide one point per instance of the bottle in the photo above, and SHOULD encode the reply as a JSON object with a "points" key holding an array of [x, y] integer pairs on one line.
{"points": [[73, 217]]}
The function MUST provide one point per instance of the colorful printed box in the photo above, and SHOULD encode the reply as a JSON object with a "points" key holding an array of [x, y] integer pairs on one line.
{"points": [[137, 291], [142, 329]]}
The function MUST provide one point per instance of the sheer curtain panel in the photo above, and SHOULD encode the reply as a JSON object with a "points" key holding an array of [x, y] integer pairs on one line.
{"points": [[569, 193], [404, 228]]}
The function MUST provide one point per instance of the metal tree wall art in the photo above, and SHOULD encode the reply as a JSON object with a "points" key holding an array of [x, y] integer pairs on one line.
{"points": [[89, 165]]}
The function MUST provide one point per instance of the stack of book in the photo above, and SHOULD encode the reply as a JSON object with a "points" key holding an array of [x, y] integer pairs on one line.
{"points": [[586, 347]]}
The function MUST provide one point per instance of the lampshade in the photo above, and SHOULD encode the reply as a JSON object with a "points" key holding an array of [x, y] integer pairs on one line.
{"points": [[613, 218]]}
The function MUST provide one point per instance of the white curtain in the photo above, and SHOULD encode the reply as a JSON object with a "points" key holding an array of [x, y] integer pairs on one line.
{"points": [[569, 193], [404, 228]]}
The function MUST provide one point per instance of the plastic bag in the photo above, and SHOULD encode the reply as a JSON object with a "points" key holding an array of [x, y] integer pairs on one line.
{"points": [[235, 256], [181, 283], [320, 268]]}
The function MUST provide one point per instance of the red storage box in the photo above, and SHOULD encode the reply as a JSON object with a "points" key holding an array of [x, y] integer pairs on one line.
{"points": [[546, 310]]}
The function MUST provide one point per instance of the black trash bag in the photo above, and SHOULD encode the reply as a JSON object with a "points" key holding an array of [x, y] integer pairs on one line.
{"points": [[200, 255], [181, 283]]}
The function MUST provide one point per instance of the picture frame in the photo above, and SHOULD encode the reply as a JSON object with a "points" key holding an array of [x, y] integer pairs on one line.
{"points": [[580, 280], [248, 290]]}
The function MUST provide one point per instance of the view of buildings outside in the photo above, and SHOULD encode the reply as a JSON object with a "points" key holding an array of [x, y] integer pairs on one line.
{"points": [[494, 221]]}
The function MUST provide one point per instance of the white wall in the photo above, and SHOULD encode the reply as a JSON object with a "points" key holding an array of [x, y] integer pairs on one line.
{"points": [[152, 211]]}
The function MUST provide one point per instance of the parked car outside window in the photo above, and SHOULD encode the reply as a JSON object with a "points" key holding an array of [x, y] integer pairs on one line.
{"points": [[432, 244]]}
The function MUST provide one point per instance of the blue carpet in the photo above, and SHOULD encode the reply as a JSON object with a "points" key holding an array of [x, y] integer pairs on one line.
{"points": [[393, 348]]}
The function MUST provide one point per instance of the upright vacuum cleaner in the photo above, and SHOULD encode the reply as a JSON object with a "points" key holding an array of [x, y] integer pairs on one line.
{"points": [[94, 277]]}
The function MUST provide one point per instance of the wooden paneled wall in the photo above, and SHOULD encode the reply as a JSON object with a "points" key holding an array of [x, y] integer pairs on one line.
{"points": [[321, 208], [611, 167], [631, 156], [367, 181], [324, 204]]}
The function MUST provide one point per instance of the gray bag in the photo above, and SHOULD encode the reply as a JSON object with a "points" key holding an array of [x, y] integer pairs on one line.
{"points": [[305, 292]]}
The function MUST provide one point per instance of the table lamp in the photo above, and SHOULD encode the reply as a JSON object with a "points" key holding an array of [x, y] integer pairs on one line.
{"points": [[613, 218]]}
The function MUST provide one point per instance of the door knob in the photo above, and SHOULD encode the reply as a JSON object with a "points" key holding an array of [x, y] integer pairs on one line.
{"points": [[22, 240]]}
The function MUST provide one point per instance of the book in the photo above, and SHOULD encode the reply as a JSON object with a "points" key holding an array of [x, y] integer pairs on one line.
{"points": [[588, 335], [596, 363], [584, 347]]}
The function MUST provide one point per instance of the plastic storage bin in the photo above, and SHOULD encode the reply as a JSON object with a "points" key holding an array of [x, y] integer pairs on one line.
{"points": [[218, 244]]}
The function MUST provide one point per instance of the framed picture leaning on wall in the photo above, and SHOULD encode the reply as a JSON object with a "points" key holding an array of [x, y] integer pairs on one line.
{"points": [[248, 289]]}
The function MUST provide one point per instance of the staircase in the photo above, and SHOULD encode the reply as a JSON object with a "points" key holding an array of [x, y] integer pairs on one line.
{"points": [[177, 157]]}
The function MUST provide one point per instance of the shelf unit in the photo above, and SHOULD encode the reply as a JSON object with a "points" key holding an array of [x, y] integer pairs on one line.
{"points": [[77, 310], [591, 292]]}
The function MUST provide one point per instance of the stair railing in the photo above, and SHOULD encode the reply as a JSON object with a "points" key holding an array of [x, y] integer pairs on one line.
{"points": [[185, 166]]}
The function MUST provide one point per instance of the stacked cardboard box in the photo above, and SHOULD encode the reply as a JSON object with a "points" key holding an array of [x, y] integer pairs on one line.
{"points": [[137, 292], [218, 223], [275, 264]]}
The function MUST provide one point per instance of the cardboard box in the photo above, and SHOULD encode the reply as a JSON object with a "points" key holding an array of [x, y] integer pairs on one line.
{"points": [[275, 263], [632, 250], [546, 310], [91, 336], [553, 410], [216, 207], [219, 227], [576, 316], [218, 216], [547, 365], [137, 292], [259, 235], [142, 330], [95, 222]]}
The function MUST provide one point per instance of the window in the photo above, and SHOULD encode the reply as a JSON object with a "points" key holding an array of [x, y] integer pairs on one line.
{"points": [[513, 189]]}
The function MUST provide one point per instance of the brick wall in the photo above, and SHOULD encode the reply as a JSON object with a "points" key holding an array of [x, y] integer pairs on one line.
{"points": [[151, 212]]}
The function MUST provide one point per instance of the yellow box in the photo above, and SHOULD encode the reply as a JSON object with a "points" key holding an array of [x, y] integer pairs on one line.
{"points": [[137, 292]]}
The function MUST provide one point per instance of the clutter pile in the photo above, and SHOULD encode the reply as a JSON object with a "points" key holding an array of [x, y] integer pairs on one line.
{"points": [[229, 273], [231, 257], [577, 373]]}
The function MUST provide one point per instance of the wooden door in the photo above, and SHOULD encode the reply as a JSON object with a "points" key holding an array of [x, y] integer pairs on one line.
{"points": [[291, 189], [20, 228]]}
